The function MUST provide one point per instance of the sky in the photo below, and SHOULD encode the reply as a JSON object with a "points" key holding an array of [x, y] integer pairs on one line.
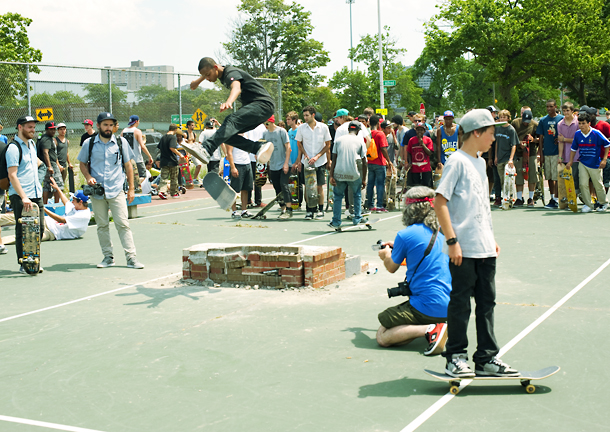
{"points": [[180, 32]]}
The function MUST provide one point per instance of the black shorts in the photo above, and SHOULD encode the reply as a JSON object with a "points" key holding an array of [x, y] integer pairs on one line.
{"points": [[244, 181], [320, 174]]}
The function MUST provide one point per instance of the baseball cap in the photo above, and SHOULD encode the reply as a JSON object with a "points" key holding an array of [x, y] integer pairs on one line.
{"points": [[50, 125], [477, 119], [318, 116], [80, 196], [448, 113], [271, 119], [411, 113], [133, 119], [105, 116], [384, 124], [420, 125], [592, 110], [61, 125], [584, 108], [353, 126], [527, 116], [207, 124], [26, 119], [491, 108], [363, 117], [342, 112], [89, 122]]}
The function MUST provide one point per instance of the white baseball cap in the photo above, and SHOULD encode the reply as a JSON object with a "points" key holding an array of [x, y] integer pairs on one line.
{"points": [[477, 119]]}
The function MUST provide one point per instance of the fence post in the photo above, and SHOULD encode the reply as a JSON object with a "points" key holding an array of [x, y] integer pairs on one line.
{"points": [[27, 83], [179, 103], [279, 95], [109, 92]]}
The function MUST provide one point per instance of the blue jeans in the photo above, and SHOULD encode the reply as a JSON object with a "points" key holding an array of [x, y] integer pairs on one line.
{"points": [[339, 193], [376, 179]]}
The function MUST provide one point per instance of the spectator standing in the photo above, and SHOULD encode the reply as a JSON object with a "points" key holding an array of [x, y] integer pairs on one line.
{"points": [[208, 132], [525, 127], [170, 161], [292, 119], [506, 146], [63, 156], [135, 139], [377, 167], [279, 165], [448, 138], [549, 150], [566, 129], [47, 153], [89, 131], [418, 153]]}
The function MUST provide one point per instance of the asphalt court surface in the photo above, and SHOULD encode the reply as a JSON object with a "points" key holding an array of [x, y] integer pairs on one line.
{"points": [[139, 350]]}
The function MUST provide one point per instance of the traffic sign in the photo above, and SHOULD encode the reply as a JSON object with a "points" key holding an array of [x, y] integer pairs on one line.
{"points": [[389, 83], [382, 111], [199, 116], [185, 118], [385, 90], [44, 114]]}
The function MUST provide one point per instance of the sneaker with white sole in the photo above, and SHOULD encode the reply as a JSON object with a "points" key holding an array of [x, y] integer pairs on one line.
{"points": [[458, 367], [264, 153], [246, 214], [319, 215], [436, 335], [586, 209], [134, 264], [600, 209], [3, 249], [495, 367], [107, 262]]}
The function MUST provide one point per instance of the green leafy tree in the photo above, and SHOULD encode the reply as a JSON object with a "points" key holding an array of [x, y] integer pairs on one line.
{"points": [[353, 89], [324, 101], [98, 94]]}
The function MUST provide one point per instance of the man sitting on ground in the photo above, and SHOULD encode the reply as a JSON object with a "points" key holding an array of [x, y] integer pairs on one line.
{"points": [[73, 224]]}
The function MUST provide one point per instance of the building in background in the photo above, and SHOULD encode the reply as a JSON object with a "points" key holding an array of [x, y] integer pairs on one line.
{"points": [[137, 76]]}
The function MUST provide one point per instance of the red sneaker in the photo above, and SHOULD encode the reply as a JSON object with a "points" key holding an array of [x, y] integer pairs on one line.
{"points": [[162, 196], [436, 335]]}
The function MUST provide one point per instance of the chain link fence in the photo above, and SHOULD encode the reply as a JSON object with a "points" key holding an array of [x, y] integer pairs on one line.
{"points": [[71, 94]]}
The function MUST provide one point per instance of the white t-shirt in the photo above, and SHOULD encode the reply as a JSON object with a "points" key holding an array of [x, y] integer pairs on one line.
{"points": [[240, 157], [76, 224], [205, 134], [145, 185], [465, 187], [313, 140]]}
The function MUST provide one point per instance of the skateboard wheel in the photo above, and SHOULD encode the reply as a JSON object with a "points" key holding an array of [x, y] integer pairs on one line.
{"points": [[19, 220], [454, 389], [530, 389], [369, 226], [36, 261], [36, 221], [20, 260]]}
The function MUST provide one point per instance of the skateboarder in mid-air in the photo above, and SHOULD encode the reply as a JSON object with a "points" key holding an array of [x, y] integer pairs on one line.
{"points": [[257, 107]]}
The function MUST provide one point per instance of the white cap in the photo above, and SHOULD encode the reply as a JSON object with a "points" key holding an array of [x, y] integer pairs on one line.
{"points": [[477, 119]]}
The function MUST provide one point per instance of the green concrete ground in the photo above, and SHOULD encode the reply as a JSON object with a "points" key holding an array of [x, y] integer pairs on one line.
{"points": [[152, 353]]}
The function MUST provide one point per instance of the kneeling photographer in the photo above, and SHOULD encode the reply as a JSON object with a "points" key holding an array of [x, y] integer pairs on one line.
{"points": [[105, 161], [427, 283]]}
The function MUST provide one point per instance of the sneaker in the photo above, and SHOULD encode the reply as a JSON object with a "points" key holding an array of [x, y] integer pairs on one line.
{"points": [[176, 195], [382, 210], [601, 209], [107, 262], [3, 250], [596, 206], [491, 199], [458, 367], [196, 181], [530, 202], [320, 215], [436, 335], [285, 215], [518, 203], [205, 155], [495, 367], [586, 209], [362, 220], [330, 224], [264, 153], [236, 214], [552, 204], [309, 215], [498, 202], [134, 264], [22, 270], [246, 214], [162, 196]]}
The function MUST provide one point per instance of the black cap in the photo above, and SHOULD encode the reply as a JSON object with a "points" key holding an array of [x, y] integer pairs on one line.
{"points": [[492, 108], [384, 124], [363, 117], [527, 116], [318, 116], [398, 119], [592, 110], [353, 126], [584, 109], [50, 125], [411, 113], [208, 124], [26, 119], [105, 116]]}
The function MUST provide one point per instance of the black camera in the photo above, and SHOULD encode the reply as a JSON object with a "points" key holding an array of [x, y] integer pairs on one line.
{"points": [[96, 189], [402, 289]]}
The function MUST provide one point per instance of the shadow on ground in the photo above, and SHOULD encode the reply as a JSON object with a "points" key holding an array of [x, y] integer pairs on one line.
{"points": [[159, 295]]}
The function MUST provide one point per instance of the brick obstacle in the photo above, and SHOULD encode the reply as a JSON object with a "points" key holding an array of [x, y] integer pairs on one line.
{"points": [[269, 265]]}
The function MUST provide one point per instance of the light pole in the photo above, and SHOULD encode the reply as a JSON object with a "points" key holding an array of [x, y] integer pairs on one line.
{"points": [[351, 45], [380, 56]]}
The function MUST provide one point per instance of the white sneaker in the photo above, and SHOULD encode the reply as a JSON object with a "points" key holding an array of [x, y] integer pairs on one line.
{"points": [[458, 367], [107, 262], [602, 208], [134, 264], [264, 153], [586, 209]]}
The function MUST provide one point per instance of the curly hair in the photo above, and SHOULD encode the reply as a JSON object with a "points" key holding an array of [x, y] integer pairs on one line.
{"points": [[421, 212]]}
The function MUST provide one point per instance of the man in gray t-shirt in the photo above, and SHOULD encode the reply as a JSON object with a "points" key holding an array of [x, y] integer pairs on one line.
{"points": [[279, 165], [344, 173]]}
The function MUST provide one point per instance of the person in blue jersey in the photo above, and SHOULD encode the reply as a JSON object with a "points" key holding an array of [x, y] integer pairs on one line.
{"points": [[549, 148], [593, 147], [449, 138], [428, 277]]}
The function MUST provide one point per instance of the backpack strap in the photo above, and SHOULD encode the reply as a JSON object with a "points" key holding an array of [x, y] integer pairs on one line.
{"points": [[427, 252]]}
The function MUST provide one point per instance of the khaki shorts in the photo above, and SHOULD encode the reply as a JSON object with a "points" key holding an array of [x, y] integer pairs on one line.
{"points": [[533, 170], [519, 168], [550, 167], [405, 314]]}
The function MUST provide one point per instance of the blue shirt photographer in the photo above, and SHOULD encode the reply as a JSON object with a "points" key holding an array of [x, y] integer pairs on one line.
{"points": [[431, 284], [106, 165]]}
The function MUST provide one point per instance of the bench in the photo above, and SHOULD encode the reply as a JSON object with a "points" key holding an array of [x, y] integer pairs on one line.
{"points": [[132, 209]]}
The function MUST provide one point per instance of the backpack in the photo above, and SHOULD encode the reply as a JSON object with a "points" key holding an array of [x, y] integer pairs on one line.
{"points": [[130, 138], [4, 181], [371, 151]]}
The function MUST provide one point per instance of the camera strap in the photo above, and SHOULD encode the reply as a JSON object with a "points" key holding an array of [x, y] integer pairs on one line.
{"points": [[427, 252]]}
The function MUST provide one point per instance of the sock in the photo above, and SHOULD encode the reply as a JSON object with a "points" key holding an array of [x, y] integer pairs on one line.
{"points": [[553, 196], [519, 195], [321, 207], [531, 194]]}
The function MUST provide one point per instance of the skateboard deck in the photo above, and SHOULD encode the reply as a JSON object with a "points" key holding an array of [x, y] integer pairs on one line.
{"points": [[311, 187], [509, 191], [226, 171], [261, 212], [561, 186], [525, 378], [568, 180], [390, 188], [293, 186], [186, 173], [525, 167], [362, 225], [30, 226], [71, 180], [224, 195], [539, 191], [436, 177]]}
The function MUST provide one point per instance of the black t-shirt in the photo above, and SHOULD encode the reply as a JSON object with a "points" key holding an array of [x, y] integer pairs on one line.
{"points": [[47, 143], [86, 136], [62, 152], [251, 89], [168, 157]]}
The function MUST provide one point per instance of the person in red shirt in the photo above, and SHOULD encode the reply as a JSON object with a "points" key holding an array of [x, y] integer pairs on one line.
{"points": [[419, 150], [377, 167]]}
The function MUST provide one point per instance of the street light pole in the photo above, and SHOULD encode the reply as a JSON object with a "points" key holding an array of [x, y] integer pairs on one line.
{"points": [[380, 56], [351, 45]]}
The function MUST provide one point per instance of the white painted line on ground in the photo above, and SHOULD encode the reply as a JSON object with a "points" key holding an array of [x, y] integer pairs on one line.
{"points": [[86, 298], [46, 424], [421, 419]]}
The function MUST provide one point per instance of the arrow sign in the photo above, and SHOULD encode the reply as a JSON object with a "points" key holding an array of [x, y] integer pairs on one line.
{"points": [[44, 114], [199, 116]]}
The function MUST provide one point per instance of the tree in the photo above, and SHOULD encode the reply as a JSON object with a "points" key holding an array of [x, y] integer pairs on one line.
{"points": [[15, 47], [353, 89], [274, 39], [98, 94], [324, 101]]}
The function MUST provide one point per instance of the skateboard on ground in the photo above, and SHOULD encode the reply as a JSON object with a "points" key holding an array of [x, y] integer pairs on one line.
{"points": [[436, 177], [568, 181], [525, 378], [509, 191], [561, 186], [224, 195], [71, 180], [368, 224], [539, 191], [311, 187], [186, 173], [293, 186], [261, 212], [30, 228], [526, 161]]}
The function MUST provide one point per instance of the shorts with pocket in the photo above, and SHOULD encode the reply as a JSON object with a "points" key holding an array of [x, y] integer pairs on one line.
{"points": [[244, 181], [405, 314]]}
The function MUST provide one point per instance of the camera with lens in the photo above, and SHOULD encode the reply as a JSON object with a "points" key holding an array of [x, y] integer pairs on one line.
{"points": [[96, 189], [402, 289]]}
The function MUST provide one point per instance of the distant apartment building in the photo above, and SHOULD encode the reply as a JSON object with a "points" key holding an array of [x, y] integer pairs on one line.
{"points": [[137, 76]]}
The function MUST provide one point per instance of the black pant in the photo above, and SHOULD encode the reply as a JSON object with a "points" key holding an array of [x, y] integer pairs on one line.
{"points": [[279, 180], [245, 119], [476, 276], [421, 179], [258, 190], [17, 205]]}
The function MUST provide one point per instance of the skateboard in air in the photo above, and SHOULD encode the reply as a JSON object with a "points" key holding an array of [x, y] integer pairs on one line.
{"points": [[224, 195], [561, 186], [568, 180], [30, 228], [362, 225], [525, 378]]}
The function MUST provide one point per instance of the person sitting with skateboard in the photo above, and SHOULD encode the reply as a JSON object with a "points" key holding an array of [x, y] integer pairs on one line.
{"points": [[22, 164], [279, 165], [257, 106], [427, 282], [73, 224], [463, 211]]}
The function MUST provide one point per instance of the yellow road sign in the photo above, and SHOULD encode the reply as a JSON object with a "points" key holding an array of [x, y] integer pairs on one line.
{"points": [[44, 114], [199, 116], [382, 111]]}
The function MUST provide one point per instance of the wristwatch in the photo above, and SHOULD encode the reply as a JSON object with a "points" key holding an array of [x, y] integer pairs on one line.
{"points": [[452, 241]]}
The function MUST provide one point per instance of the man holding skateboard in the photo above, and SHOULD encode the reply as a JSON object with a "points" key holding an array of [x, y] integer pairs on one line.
{"points": [[257, 106]]}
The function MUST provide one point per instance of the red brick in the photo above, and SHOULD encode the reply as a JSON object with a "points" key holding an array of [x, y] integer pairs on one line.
{"points": [[186, 274], [198, 267], [216, 271], [296, 264], [254, 257], [291, 272], [197, 275]]}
